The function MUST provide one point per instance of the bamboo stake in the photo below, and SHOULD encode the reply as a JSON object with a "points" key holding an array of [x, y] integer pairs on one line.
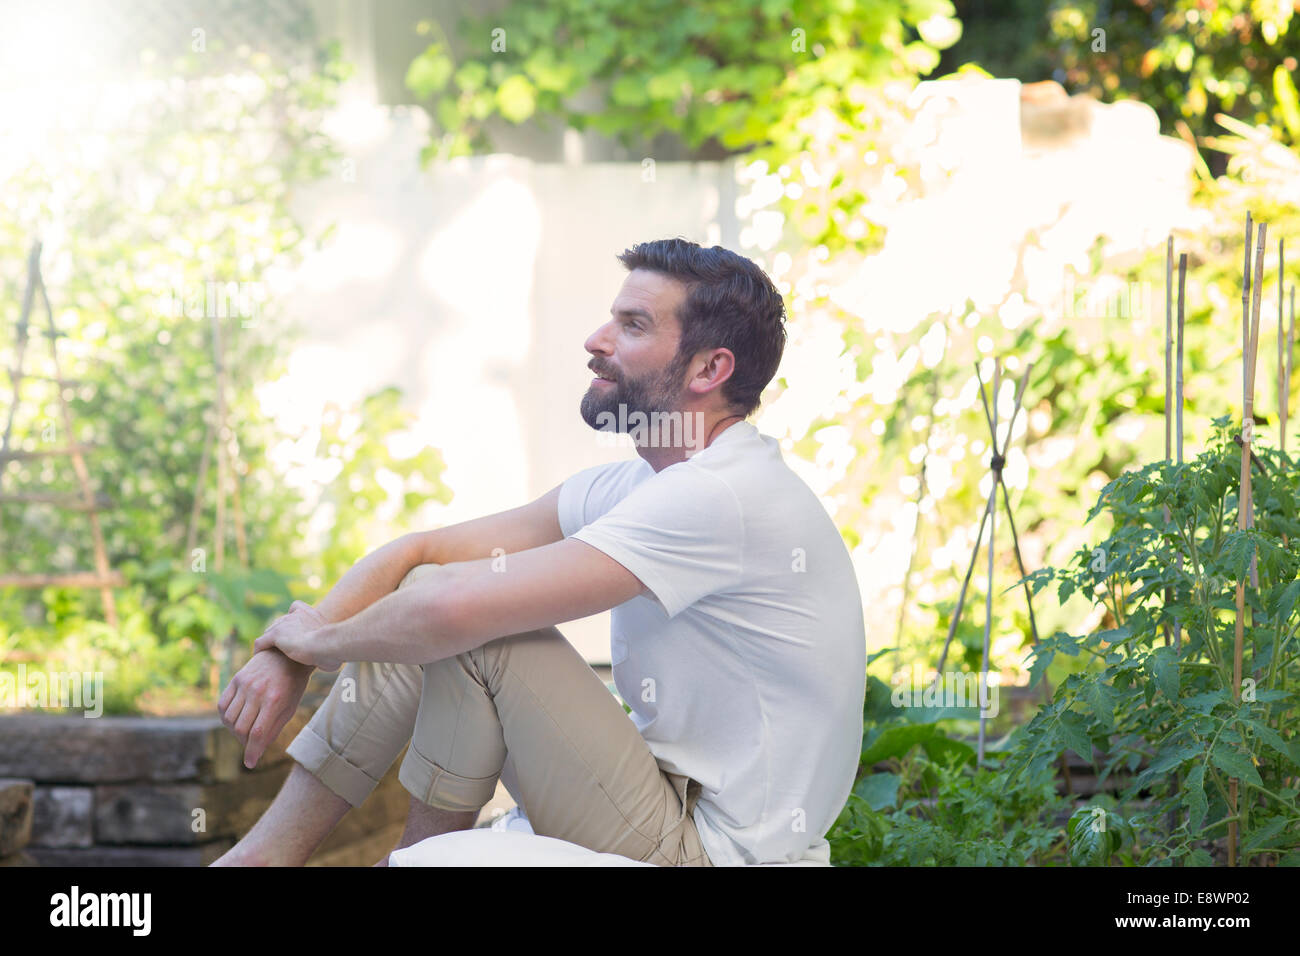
{"points": [[1169, 343], [1245, 303], [916, 533], [988, 595], [1243, 511], [1254, 355], [1290, 350], [1283, 385], [1172, 637], [1178, 407], [961, 595], [1281, 372], [1178, 403], [1178, 387]]}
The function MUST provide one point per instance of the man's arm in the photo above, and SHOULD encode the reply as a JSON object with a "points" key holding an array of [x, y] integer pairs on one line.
{"points": [[465, 605], [519, 529], [263, 696], [380, 572]]}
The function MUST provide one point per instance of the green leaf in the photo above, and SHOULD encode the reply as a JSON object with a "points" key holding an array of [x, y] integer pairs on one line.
{"points": [[517, 99], [1265, 834], [1289, 750], [1074, 729], [471, 76], [879, 790], [1095, 693], [946, 751], [1194, 798], [428, 73], [1288, 103], [1162, 665], [1170, 758], [667, 86], [549, 74], [1095, 834], [1115, 635], [629, 90], [1042, 659], [895, 742], [1206, 702], [1235, 764], [1287, 600], [872, 658]]}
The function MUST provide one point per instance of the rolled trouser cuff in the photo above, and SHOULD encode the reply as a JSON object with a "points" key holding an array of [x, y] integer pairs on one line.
{"points": [[331, 768], [431, 784]]}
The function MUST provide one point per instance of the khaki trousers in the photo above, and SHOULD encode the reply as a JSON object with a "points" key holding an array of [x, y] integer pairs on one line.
{"points": [[525, 709]]}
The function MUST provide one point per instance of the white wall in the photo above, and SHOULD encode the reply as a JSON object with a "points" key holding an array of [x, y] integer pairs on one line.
{"points": [[472, 286]]}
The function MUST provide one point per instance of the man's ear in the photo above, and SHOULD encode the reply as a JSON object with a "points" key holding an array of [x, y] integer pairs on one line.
{"points": [[712, 369]]}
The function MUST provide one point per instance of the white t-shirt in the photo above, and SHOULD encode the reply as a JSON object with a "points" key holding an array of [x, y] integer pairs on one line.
{"points": [[746, 669]]}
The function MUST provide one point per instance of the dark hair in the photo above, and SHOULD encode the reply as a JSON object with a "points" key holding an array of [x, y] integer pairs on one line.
{"points": [[730, 303]]}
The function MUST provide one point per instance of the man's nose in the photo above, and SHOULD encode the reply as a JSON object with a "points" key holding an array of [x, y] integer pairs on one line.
{"points": [[598, 341]]}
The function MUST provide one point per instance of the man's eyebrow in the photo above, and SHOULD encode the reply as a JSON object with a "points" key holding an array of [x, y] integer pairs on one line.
{"points": [[635, 310]]}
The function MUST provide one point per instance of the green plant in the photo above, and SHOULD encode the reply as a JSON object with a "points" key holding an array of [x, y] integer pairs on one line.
{"points": [[930, 806], [1172, 706], [1096, 834], [741, 75], [146, 219]]}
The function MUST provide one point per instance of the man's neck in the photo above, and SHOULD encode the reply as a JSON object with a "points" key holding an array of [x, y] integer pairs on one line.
{"points": [[698, 431]]}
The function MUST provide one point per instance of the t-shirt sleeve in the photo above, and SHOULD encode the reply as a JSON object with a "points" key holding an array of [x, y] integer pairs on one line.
{"points": [[680, 532], [587, 495], [574, 493]]}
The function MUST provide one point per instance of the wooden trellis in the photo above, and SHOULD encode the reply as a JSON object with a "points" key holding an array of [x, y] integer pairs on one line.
{"points": [[103, 576]]}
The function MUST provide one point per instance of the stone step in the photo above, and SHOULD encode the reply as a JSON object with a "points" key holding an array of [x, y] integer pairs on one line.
{"points": [[15, 815]]}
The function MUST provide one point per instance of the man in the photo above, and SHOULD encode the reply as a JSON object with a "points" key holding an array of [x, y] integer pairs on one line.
{"points": [[737, 634]]}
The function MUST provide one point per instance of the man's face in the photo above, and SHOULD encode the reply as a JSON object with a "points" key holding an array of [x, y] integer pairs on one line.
{"points": [[633, 354]]}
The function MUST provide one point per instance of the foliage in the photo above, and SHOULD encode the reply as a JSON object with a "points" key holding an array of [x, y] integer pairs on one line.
{"points": [[168, 192], [738, 76], [355, 500], [1187, 59], [1174, 706], [919, 801]]}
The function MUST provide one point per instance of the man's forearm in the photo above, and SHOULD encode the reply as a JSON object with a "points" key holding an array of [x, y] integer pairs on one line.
{"points": [[400, 628], [373, 577]]}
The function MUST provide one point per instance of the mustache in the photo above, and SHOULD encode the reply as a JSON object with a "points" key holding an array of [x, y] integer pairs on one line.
{"points": [[602, 371]]}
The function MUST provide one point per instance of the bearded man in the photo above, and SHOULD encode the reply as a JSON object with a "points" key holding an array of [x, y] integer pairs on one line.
{"points": [[736, 637]]}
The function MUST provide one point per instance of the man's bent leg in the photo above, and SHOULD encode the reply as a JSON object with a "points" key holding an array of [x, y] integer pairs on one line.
{"points": [[301, 816], [342, 754], [581, 770]]}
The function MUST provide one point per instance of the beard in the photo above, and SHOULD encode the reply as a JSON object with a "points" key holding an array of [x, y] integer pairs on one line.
{"points": [[656, 393]]}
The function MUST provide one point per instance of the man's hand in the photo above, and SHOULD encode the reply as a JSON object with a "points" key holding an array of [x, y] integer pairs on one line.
{"points": [[263, 696], [292, 636]]}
